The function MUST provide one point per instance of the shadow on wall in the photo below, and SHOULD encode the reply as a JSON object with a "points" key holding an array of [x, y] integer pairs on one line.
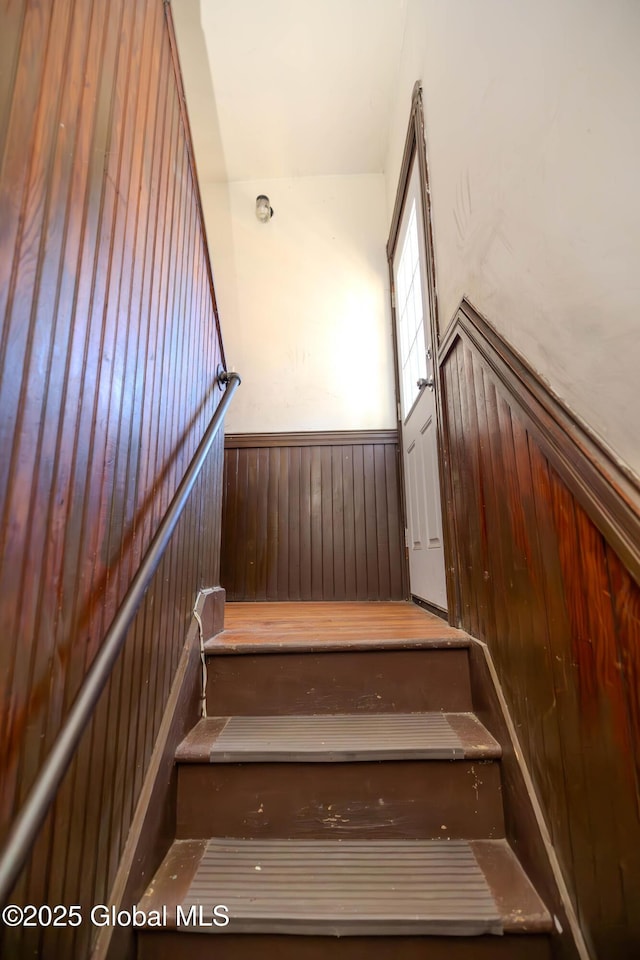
{"points": [[208, 147]]}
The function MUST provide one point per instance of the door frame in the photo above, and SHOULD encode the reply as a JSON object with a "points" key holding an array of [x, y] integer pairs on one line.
{"points": [[415, 146]]}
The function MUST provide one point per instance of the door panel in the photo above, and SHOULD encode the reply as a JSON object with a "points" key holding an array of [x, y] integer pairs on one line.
{"points": [[431, 488], [417, 403], [416, 503]]}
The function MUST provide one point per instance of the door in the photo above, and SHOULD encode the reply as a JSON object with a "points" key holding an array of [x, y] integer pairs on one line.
{"points": [[417, 402]]}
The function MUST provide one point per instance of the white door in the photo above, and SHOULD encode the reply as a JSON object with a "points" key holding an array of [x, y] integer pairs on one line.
{"points": [[417, 403]]}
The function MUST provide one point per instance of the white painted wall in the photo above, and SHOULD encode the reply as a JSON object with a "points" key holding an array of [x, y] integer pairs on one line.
{"points": [[533, 138], [303, 302], [302, 87]]}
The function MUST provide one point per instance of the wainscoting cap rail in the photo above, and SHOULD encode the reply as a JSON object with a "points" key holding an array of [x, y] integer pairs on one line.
{"points": [[34, 810], [607, 490], [310, 438]]}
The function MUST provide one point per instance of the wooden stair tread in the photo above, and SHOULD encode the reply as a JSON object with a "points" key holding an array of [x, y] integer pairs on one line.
{"points": [[338, 737], [350, 887], [296, 641], [268, 627], [353, 620]]}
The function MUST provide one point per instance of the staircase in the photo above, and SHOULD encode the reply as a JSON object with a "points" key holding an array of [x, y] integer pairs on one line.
{"points": [[343, 800]]}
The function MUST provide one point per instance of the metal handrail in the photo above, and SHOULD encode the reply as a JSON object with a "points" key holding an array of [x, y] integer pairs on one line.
{"points": [[34, 810]]}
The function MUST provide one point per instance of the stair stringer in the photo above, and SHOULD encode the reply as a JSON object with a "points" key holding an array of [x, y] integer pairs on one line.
{"points": [[526, 827]]}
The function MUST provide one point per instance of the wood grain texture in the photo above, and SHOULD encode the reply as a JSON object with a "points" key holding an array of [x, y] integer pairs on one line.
{"points": [[313, 518], [109, 344], [547, 579], [326, 626]]}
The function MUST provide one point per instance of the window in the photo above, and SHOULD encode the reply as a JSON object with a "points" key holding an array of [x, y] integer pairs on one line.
{"points": [[409, 311]]}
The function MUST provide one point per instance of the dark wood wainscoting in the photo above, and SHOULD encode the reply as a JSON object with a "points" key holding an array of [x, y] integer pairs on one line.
{"points": [[109, 345], [312, 516], [545, 529]]}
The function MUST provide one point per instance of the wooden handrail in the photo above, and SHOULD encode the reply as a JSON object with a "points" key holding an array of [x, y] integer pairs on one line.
{"points": [[25, 828]]}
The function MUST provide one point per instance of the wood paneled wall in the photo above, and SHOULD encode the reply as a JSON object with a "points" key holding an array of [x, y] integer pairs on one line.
{"points": [[108, 352], [312, 517], [547, 547]]}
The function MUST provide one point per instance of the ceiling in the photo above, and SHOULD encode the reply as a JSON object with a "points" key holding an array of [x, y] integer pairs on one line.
{"points": [[284, 88]]}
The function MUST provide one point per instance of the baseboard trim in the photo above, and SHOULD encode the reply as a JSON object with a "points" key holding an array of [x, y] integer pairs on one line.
{"points": [[153, 826], [431, 607], [526, 828]]}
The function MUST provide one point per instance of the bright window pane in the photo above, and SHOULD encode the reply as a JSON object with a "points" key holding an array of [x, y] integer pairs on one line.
{"points": [[409, 310]]}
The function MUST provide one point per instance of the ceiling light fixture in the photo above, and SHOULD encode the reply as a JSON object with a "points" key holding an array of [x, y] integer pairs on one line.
{"points": [[264, 211]]}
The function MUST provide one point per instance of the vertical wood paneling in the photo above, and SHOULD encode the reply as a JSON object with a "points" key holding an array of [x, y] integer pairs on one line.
{"points": [[323, 520], [108, 350], [348, 521], [326, 486], [540, 584], [394, 519], [294, 514], [337, 530]]}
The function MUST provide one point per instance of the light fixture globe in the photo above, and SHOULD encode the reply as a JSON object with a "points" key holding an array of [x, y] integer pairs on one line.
{"points": [[264, 211]]}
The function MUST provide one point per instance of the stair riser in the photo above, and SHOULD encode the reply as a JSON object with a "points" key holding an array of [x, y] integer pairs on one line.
{"points": [[166, 945], [378, 681], [432, 799]]}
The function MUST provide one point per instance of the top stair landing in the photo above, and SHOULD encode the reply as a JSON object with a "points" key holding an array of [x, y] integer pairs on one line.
{"points": [[335, 658], [293, 627]]}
